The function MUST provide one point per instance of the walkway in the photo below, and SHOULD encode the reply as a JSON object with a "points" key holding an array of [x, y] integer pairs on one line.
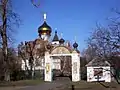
{"points": [[49, 85]]}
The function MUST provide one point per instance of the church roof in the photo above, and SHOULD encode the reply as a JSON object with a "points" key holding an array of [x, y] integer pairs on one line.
{"points": [[44, 27], [98, 62], [55, 38]]}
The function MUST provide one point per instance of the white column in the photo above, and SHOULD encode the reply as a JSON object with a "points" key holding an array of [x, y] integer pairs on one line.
{"points": [[75, 67], [48, 67]]}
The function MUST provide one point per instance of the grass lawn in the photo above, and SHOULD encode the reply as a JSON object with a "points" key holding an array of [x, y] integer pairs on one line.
{"points": [[21, 83]]}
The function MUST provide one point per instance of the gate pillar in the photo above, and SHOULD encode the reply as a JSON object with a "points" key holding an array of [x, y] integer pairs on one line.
{"points": [[75, 67], [48, 68]]}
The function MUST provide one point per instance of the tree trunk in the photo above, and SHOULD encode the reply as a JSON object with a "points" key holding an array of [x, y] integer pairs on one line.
{"points": [[7, 75], [31, 67], [4, 41]]}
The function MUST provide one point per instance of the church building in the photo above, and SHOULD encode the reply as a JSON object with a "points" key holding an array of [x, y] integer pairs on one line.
{"points": [[55, 56]]}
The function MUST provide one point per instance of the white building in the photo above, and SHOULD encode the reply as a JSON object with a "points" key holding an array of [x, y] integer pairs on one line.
{"points": [[49, 54], [98, 70]]}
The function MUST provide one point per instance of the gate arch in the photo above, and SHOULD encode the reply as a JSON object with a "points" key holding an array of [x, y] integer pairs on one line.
{"points": [[62, 51]]}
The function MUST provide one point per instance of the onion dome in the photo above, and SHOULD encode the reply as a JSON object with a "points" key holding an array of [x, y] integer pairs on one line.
{"points": [[26, 42], [44, 29], [61, 41], [55, 38], [75, 45]]}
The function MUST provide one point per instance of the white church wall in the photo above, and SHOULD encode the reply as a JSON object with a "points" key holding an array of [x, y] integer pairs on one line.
{"points": [[55, 42], [45, 37], [39, 66], [23, 65], [105, 77]]}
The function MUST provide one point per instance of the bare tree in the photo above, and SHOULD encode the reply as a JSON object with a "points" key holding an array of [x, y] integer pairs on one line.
{"points": [[13, 64], [7, 18], [25, 52], [106, 42], [33, 51], [22, 55], [90, 52]]}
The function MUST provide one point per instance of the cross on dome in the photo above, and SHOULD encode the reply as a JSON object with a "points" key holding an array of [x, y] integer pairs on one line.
{"points": [[45, 16]]}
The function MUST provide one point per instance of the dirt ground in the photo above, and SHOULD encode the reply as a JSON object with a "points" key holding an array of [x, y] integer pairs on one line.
{"points": [[83, 85], [56, 85]]}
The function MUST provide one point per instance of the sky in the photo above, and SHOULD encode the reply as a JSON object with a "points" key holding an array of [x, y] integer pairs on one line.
{"points": [[72, 18]]}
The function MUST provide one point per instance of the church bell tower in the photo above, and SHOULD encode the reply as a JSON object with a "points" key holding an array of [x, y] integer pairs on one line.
{"points": [[44, 30]]}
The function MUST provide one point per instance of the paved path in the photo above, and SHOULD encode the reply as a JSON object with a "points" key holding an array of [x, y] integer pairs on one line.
{"points": [[46, 86], [55, 85], [49, 85]]}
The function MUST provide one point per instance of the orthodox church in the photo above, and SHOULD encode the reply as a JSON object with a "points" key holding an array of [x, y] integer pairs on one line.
{"points": [[52, 54]]}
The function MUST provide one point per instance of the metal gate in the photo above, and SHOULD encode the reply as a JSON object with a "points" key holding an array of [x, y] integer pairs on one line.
{"points": [[65, 67]]}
